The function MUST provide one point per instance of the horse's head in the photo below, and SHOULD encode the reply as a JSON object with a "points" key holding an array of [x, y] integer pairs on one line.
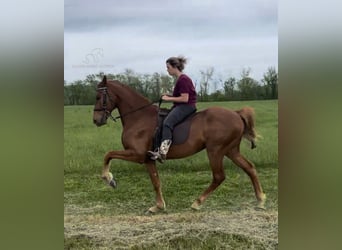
{"points": [[104, 104]]}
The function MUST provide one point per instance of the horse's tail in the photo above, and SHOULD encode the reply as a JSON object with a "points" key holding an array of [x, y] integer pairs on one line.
{"points": [[247, 116]]}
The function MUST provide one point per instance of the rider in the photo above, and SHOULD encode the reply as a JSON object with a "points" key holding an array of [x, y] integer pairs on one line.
{"points": [[184, 104]]}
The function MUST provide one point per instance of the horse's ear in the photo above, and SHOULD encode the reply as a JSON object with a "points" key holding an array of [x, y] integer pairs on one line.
{"points": [[104, 80]]}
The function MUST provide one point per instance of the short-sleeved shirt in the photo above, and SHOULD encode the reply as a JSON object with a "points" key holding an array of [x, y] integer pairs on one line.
{"points": [[184, 85]]}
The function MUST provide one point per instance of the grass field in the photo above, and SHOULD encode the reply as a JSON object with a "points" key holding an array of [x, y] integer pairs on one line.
{"points": [[99, 217]]}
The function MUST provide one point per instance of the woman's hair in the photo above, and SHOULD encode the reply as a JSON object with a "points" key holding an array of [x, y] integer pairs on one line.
{"points": [[177, 62]]}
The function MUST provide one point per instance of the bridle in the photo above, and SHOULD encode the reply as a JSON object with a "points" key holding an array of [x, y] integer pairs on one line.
{"points": [[108, 113], [104, 103]]}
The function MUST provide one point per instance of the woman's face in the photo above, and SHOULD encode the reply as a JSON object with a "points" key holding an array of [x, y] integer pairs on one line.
{"points": [[171, 70]]}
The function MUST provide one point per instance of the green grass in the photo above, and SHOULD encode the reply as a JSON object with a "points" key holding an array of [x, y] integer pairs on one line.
{"points": [[182, 180]]}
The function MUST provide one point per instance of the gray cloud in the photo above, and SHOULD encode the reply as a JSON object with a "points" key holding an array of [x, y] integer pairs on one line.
{"points": [[85, 15], [140, 35]]}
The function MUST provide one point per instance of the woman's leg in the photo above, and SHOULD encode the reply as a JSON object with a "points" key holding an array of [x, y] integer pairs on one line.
{"points": [[176, 115]]}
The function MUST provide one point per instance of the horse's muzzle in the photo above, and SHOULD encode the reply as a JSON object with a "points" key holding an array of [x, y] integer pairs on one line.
{"points": [[99, 123]]}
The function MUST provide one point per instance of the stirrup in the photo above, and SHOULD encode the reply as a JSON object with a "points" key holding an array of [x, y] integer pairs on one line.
{"points": [[155, 155]]}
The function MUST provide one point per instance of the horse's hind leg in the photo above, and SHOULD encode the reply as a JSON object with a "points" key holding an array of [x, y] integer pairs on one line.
{"points": [[249, 168], [216, 164]]}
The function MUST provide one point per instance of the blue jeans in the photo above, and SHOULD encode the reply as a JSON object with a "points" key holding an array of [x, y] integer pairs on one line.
{"points": [[176, 115]]}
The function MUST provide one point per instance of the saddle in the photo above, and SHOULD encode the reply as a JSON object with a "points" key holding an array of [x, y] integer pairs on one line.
{"points": [[180, 132]]}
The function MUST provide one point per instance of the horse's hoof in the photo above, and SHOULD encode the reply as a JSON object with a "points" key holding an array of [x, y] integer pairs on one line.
{"points": [[261, 203], [195, 206], [149, 213], [112, 183], [260, 206], [154, 210]]}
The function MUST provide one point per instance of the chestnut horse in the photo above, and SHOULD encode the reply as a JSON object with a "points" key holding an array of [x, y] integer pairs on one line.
{"points": [[217, 129]]}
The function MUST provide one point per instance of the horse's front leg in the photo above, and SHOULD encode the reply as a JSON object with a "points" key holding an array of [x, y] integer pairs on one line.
{"points": [[128, 155], [160, 203]]}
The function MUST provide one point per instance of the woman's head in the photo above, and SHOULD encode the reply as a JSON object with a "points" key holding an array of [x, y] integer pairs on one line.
{"points": [[176, 63]]}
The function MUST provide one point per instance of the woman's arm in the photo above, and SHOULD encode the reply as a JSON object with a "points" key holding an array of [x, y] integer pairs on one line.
{"points": [[184, 97]]}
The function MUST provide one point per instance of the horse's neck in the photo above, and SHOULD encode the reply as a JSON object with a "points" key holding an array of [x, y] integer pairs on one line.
{"points": [[127, 99]]}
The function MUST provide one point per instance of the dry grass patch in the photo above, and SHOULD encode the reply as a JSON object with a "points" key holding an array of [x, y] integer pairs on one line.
{"points": [[198, 230]]}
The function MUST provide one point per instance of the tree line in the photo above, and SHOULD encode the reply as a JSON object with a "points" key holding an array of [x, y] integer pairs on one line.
{"points": [[209, 87]]}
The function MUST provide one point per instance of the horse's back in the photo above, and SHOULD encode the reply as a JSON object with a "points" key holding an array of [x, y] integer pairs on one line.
{"points": [[218, 121], [220, 114]]}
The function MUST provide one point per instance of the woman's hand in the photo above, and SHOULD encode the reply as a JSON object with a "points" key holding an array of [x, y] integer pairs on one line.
{"points": [[166, 98]]}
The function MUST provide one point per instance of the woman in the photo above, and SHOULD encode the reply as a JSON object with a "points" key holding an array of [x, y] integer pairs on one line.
{"points": [[184, 104]]}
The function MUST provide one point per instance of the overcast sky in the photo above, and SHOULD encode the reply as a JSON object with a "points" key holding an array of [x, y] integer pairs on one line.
{"points": [[114, 35]]}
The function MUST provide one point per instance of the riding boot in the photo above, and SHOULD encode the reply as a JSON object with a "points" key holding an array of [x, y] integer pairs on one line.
{"points": [[161, 152], [164, 148]]}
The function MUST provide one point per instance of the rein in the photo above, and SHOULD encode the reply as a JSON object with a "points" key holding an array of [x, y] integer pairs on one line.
{"points": [[109, 114], [130, 112]]}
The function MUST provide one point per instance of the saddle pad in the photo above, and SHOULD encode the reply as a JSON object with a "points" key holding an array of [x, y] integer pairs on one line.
{"points": [[181, 131]]}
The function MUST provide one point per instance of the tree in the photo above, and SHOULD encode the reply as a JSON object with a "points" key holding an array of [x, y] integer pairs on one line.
{"points": [[229, 87], [270, 81], [166, 84], [92, 80], [76, 91], [67, 94], [206, 76], [83, 92], [248, 87], [132, 79], [153, 86], [217, 96]]}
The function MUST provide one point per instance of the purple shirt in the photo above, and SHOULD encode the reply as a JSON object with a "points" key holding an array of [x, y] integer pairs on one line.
{"points": [[184, 85]]}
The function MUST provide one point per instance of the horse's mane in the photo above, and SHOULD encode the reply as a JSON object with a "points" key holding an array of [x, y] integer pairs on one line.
{"points": [[127, 87]]}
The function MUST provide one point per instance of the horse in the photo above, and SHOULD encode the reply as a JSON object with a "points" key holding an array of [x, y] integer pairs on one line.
{"points": [[216, 129]]}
